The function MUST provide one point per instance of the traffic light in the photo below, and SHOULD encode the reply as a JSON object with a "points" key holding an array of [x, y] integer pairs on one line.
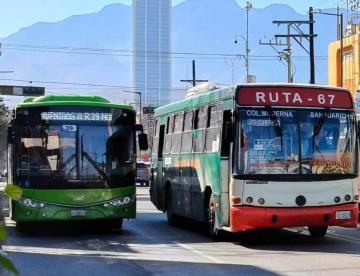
{"points": [[33, 91], [10, 90], [149, 109]]}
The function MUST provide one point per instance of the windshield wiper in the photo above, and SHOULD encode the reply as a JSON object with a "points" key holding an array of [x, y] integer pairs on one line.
{"points": [[320, 122], [317, 129], [95, 165], [276, 126], [67, 161]]}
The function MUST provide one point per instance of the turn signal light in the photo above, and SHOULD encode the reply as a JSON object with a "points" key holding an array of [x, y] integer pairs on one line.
{"points": [[356, 197], [235, 200]]}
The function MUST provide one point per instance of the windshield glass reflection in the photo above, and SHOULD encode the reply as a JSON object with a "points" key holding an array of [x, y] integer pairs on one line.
{"points": [[269, 142]]}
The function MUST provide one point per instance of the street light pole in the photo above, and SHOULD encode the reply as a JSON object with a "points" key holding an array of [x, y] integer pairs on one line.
{"points": [[248, 7], [341, 50], [341, 16], [140, 96]]}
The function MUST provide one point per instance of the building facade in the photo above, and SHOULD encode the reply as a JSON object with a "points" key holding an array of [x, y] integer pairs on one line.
{"points": [[351, 61], [151, 50]]}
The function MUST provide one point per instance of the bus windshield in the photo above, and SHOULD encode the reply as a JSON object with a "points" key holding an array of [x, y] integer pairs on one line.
{"points": [[75, 155], [291, 141]]}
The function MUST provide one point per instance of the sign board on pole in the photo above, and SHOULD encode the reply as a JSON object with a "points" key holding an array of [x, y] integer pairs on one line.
{"points": [[24, 91]]}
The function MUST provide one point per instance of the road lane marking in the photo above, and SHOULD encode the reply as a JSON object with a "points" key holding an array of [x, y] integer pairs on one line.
{"points": [[329, 234], [206, 256]]}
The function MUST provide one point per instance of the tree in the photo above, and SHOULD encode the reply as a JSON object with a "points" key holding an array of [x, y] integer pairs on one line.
{"points": [[4, 121]]}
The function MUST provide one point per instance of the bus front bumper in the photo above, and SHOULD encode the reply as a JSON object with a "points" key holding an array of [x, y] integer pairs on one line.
{"points": [[249, 218], [60, 213]]}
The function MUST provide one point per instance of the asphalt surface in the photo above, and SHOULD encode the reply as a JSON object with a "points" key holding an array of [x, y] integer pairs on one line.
{"points": [[149, 246]]}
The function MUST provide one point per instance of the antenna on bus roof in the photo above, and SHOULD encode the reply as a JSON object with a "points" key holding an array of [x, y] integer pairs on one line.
{"points": [[201, 88]]}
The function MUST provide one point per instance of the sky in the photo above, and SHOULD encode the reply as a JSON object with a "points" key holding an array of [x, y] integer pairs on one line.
{"points": [[15, 14]]}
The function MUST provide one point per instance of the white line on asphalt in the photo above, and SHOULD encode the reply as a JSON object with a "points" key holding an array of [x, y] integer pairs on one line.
{"points": [[206, 256], [344, 238], [329, 234]]}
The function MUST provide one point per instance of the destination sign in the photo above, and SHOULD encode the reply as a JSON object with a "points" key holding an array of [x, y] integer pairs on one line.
{"points": [[76, 116], [293, 96]]}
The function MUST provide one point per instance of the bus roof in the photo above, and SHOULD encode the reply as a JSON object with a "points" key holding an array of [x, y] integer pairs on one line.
{"points": [[66, 100], [198, 100], [228, 92]]}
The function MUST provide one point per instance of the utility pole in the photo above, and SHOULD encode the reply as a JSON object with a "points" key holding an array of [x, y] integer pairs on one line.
{"points": [[294, 25], [312, 55], [248, 8], [193, 81], [285, 54], [341, 50], [288, 39]]}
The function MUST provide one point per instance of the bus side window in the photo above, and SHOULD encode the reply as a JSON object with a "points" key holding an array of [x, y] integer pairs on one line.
{"points": [[176, 136], [169, 131], [186, 142], [200, 122], [213, 129]]}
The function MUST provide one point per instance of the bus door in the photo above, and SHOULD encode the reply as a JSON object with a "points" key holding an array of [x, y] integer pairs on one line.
{"points": [[198, 156], [186, 164], [157, 181], [175, 170]]}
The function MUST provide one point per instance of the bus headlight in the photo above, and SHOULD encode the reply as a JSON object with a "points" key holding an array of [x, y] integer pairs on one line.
{"points": [[31, 203], [120, 201]]}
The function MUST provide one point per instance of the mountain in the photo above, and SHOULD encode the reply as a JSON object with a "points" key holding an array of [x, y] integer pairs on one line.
{"points": [[199, 26]]}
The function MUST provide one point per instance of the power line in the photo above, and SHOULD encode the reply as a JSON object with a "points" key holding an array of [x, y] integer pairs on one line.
{"points": [[127, 53], [88, 84]]}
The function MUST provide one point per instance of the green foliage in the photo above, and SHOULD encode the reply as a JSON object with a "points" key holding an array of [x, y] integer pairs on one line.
{"points": [[2, 232], [7, 264], [13, 192], [4, 118]]}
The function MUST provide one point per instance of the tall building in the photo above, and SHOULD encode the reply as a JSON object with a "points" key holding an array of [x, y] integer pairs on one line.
{"points": [[151, 47]]}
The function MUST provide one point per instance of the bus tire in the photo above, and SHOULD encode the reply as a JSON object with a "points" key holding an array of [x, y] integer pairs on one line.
{"points": [[215, 233], [172, 219], [24, 226], [317, 231], [112, 224]]}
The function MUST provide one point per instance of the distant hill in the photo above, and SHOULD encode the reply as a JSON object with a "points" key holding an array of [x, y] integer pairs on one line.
{"points": [[199, 26]]}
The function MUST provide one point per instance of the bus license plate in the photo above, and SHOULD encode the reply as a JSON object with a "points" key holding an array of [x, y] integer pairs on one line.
{"points": [[78, 213], [343, 215]]}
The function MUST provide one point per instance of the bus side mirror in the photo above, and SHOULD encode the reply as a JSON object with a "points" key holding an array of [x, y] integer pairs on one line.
{"points": [[143, 141], [139, 128], [227, 138], [228, 131], [10, 134]]}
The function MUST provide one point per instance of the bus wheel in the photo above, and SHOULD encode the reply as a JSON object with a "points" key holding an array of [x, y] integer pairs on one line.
{"points": [[112, 224], [24, 226], [215, 233], [317, 231], [172, 219]]}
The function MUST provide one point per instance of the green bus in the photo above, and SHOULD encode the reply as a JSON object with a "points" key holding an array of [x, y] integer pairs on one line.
{"points": [[74, 157], [258, 156]]}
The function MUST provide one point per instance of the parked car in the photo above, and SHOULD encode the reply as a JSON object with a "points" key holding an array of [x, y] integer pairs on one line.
{"points": [[143, 173]]}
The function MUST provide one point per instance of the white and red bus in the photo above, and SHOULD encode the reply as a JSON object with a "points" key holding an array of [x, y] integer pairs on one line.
{"points": [[258, 156]]}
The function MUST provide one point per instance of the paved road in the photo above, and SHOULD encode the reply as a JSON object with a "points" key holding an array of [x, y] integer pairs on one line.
{"points": [[148, 246]]}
